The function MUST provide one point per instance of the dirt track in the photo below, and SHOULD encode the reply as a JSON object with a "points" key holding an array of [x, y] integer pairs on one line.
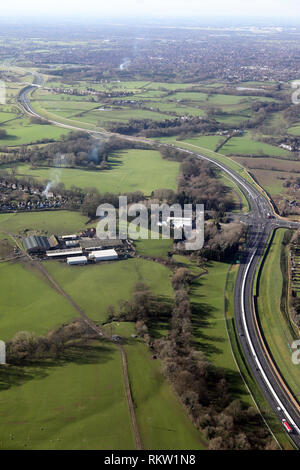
{"points": [[101, 332]]}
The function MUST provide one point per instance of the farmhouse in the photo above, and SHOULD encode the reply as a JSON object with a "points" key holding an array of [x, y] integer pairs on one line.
{"points": [[36, 244]]}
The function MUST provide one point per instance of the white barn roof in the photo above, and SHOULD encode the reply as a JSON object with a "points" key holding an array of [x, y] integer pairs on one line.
{"points": [[77, 260], [103, 254], [73, 251]]}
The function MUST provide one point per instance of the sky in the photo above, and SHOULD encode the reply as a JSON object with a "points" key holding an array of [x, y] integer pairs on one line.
{"points": [[155, 8]]}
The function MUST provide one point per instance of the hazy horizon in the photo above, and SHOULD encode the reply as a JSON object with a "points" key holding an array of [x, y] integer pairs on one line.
{"points": [[193, 10]]}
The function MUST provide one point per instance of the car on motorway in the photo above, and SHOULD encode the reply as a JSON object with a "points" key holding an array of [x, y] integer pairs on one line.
{"points": [[286, 425]]}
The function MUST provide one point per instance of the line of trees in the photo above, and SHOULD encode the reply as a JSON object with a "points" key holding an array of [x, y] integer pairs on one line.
{"points": [[26, 346], [167, 127], [204, 389]]}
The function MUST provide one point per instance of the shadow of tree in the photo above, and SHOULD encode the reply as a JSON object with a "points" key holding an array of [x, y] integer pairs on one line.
{"points": [[203, 320], [159, 324], [18, 373]]}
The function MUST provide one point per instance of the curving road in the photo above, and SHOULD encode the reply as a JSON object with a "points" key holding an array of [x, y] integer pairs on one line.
{"points": [[271, 383], [269, 380]]}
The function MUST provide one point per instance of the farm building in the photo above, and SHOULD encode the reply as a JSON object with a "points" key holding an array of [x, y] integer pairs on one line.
{"points": [[53, 241], [70, 243], [36, 244], [103, 255], [77, 260], [69, 237], [64, 253], [92, 244]]}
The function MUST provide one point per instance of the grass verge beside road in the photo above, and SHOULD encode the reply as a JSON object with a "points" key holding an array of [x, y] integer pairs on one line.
{"points": [[272, 315], [258, 397]]}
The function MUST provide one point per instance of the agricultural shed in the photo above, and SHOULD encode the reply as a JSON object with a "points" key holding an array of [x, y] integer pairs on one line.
{"points": [[97, 243], [77, 260], [53, 241], [57, 253], [36, 244], [103, 255]]}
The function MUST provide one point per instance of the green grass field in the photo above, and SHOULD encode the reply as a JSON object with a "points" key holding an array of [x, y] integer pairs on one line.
{"points": [[246, 146], [28, 302], [58, 222], [81, 415], [294, 130], [154, 98], [82, 111], [231, 119], [94, 414], [162, 421], [154, 248], [6, 115], [273, 319], [96, 287], [131, 170], [208, 141], [75, 403], [19, 129], [207, 297], [21, 132], [209, 324]]}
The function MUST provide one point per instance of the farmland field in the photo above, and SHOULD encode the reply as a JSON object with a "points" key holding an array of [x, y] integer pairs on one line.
{"points": [[41, 408], [28, 302], [73, 396], [207, 141], [21, 132], [294, 130], [208, 320], [272, 181], [155, 248], [97, 287], [131, 170], [163, 423], [79, 417], [271, 174], [146, 100], [246, 146], [58, 222]]}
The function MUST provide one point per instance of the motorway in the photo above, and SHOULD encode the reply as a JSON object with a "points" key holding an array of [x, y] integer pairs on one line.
{"points": [[272, 385], [260, 228]]}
